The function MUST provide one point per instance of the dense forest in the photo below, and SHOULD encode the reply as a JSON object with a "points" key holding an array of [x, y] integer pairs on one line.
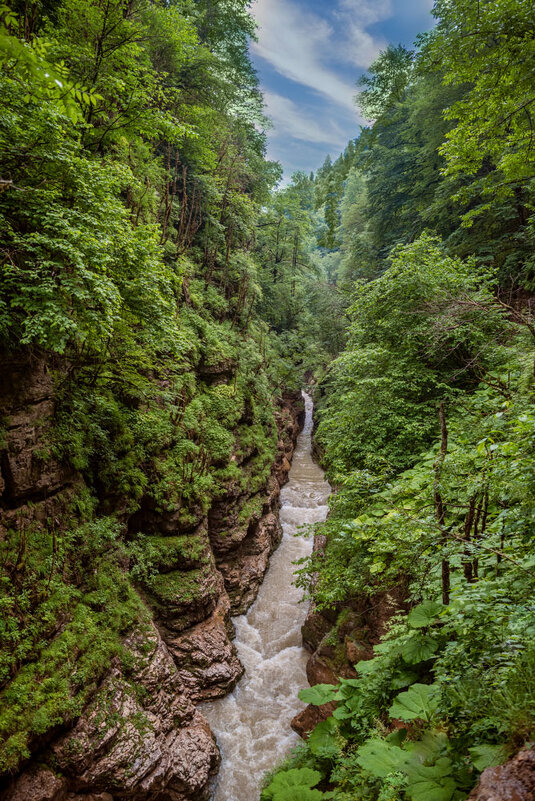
{"points": [[160, 302], [424, 587], [141, 400]]}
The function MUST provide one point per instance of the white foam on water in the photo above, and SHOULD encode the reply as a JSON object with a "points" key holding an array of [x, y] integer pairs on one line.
{"points": [[252, 724]]}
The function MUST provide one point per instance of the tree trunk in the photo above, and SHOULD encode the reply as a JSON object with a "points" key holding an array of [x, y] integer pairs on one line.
{"points": [[440, 509]]}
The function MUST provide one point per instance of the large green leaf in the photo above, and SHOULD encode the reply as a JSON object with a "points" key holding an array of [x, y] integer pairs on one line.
{"points": [[287, 786], [297, 777], [433, 745], [433, 783], [487, 756], [418, 702], [424, 614], [349, 684], [418, 648], [381, 758], [342, 713], [396, 737], [298, 794], [402, 679], [366, 667], [326, 740], [354, 702], [319, 694]]}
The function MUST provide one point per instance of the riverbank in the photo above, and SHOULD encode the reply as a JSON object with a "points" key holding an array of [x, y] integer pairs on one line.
{"points": [[252, 725]]}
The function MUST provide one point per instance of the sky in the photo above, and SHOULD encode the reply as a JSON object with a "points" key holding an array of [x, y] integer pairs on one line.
{"points": [[309, 57]]}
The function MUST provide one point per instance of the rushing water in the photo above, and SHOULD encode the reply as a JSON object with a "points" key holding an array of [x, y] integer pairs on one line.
{"points": [[252, 725]]}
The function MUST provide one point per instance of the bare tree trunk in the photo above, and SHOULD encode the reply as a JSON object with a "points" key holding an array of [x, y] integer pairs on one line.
{"points": [[440, 509], [468, 566]]}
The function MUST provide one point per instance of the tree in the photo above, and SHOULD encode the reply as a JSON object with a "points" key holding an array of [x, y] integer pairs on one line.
{"points": [[387, 81], [411, 345], [487, 48]]}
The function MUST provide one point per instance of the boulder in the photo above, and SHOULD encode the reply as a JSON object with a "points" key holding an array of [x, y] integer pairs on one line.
{"points": [[513, 781], [140, 737]]}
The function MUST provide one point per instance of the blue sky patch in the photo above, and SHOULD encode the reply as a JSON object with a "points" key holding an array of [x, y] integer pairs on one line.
{"points": [[310, 55]]}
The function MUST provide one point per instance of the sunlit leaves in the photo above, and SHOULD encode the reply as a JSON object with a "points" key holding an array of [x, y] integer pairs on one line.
{"points": [[40, 78], [489, 54]]}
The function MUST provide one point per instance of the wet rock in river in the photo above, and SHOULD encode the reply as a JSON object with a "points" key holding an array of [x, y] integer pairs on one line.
{"points": [[205, 656]]}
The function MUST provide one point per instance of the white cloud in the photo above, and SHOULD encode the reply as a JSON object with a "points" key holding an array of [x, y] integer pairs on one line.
{"points": [[291, 120], [294, 42], [303, 46], [366, 12], [354, 17]]}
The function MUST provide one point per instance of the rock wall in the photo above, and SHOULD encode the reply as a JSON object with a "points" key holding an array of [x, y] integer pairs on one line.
{"points": [[32, 487], [513, 781], [140, 736], [338, 638]]}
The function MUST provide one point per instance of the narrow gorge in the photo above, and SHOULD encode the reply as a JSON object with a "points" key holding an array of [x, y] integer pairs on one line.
{"points": [[139, 733], [252, 724], [166, 291]]}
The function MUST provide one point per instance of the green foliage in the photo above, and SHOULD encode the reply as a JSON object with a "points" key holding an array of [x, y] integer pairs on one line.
{"points": [[299, 297], [133, 179], [386, 84], [47, 675], [418, 648], [424, 614], [429, 774], [35, 73], [145, 262], [425, 428], [492, 122], [414, 338], [380, 758], [461, 667], [318, 694], [326, 741], [416, 703], [407, 171], [294, 785], [487, 756]]}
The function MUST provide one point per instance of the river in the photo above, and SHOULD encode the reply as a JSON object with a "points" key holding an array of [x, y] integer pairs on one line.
{"points": [[252, 724]]}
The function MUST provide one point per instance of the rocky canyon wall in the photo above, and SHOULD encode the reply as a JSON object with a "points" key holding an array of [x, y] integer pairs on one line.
{"points": [[132, 731]]}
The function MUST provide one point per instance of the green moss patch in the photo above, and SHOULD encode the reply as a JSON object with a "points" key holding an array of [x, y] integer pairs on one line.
{"points": [[184, 587]]}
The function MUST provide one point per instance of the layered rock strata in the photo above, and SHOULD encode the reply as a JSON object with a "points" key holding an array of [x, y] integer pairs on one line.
{"points": [[33, 488], [140, 736]]}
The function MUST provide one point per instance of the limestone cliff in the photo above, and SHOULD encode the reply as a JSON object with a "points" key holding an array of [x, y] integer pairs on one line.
{"points": [[130, 729]]}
